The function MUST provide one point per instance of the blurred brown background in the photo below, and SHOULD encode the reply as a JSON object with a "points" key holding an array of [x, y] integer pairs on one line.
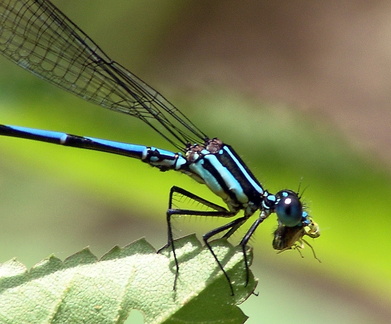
{"points": [[329, 58]]}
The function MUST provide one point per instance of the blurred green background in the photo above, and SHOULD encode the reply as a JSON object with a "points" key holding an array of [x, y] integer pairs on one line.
{"points": [[300, 90]]}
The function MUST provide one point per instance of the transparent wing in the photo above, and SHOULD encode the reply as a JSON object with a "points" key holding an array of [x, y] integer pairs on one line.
{"points": [[40, 38]]}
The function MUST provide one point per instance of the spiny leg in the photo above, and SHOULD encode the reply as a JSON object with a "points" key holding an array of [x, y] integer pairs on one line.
{"points": [[246, 238], [217, 211], [235, 224]]}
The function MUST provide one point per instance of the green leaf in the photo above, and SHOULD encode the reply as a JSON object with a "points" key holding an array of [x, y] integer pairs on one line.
{"points": [[82, 289]]}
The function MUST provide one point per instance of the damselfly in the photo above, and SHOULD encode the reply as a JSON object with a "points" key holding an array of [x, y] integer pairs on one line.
{"points": [[38, 37]]}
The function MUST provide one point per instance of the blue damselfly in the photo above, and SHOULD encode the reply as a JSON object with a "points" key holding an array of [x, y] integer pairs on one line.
{"points": [[38, 37]]}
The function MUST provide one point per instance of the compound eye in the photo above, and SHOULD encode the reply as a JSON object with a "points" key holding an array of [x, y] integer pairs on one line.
{"points": [[289, 209]]}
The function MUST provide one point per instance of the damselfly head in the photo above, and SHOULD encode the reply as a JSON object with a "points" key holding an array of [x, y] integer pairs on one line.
{"points": [[293, 223], [288, 208]]}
